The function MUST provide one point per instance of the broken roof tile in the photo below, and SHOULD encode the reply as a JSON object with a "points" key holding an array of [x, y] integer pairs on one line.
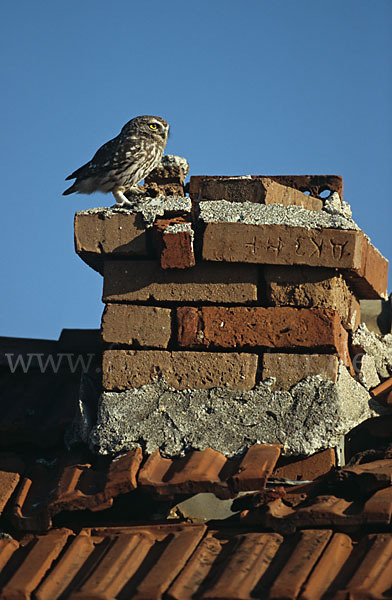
{"points": [[70, 483], [11, 468], [385, 388], [324, 511], [367, 476], [209, 471], [255, 467], [197, 472]]}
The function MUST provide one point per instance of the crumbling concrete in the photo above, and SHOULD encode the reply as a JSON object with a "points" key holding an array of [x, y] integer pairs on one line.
{"points": [[161, 206], [377, 346], [222, 211], [149, 208], [310, 417], [367, 374]]}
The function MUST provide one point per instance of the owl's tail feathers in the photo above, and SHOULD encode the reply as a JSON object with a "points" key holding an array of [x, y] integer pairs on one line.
{"points": [[70, 190]]}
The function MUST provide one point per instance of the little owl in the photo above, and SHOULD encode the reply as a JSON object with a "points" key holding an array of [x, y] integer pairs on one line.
{"points": [[123, 161]]}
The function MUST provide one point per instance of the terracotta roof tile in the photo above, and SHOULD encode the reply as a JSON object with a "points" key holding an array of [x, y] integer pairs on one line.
{"points": [[43, 551], [70, 483], [209, 471], [323, 511], [255, 467], [183, 562], [11, 468], [366, 477], [372, 577]]}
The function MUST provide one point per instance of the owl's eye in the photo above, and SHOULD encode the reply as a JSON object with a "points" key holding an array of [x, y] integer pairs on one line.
{"points": [[153, 126]]}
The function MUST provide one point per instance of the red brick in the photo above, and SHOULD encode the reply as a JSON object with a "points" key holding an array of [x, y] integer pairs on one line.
{"points": [[124, 369], [137, 326], [174, 242], [312, 184], [140, 281], [371, 278], [257, 327], [253, 189], [283, 245], [286, 245], [289, 369], [99, 233], [307, 287], [308, 468], [167, 179]]}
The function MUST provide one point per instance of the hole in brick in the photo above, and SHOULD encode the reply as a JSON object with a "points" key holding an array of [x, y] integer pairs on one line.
{"points": [[325, 193]]}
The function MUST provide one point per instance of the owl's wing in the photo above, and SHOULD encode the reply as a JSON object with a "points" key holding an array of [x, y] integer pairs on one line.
{"points": [[112, 154]]}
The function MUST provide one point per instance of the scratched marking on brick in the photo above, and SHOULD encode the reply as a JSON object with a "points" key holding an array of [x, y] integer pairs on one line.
{"points": [[279, 244]]}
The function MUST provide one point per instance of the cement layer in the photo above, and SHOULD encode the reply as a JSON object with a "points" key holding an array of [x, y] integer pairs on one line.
{"points": [[310, 417], [221, 211], [149, 208]]}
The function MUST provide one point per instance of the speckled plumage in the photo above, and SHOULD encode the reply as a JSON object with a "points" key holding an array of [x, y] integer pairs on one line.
{"points": [[123, 161]]}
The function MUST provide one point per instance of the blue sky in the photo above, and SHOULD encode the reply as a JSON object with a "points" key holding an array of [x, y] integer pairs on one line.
{"points": [[252, 87]]}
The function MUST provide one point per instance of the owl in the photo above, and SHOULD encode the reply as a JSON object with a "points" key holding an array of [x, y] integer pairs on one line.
{"points": [[123, 161]]}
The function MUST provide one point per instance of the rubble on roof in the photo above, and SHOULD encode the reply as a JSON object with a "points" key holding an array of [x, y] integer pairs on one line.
{"points": [[375, 345]]}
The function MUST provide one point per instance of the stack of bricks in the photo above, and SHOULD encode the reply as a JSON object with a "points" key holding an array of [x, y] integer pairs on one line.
{"points": [[209, 297]]}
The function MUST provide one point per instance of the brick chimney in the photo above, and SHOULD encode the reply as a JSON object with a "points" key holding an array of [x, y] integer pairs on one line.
{"points": [[232, 315]]}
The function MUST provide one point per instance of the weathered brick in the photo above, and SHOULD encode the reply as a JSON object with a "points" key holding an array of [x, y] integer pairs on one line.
{"points": [[261, 189], [308, 468], [174, 243], [371, 278], [257, 327], [312, 184], [307, 287], [282, 245], [101, 232], [139, 281], [289, 369], [124, 369], [168, 178], [136, 325], [288, 245]]}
